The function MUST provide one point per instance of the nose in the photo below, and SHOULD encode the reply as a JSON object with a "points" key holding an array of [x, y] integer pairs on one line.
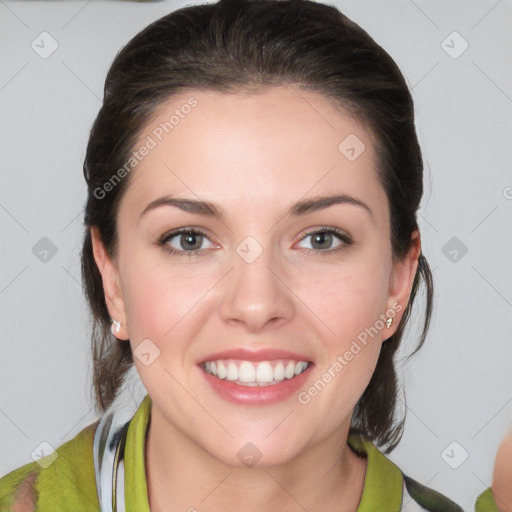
{"points": [[256, 296]]}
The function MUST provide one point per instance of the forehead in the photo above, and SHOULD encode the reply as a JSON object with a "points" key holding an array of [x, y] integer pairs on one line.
{"points": [[253, 150]]}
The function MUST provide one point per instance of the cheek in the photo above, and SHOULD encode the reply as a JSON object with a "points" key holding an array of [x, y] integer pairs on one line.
{"points": [[349, 300], [348, 303], [157, 299]]}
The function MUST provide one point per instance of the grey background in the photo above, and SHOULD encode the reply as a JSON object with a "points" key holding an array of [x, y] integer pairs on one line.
{"points": [[459, 388]]}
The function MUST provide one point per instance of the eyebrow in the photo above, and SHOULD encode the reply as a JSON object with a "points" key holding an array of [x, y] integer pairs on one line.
{"points": [[211, 210]]}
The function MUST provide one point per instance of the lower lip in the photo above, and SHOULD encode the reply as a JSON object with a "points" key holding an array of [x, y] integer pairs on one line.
{"points": [[256, 395]]}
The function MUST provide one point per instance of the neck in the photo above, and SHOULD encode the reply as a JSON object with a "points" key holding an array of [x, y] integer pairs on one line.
{"points": [[182, 476]]}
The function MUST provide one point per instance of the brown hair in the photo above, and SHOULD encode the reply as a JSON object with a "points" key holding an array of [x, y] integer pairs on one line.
{"points": [[237, 45]]}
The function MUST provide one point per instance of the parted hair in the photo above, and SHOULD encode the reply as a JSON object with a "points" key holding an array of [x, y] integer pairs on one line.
{"points": [[250, 45]]}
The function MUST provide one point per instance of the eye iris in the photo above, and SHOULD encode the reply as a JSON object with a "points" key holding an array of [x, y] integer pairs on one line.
{"points": [[322, 239], [192, 239]]}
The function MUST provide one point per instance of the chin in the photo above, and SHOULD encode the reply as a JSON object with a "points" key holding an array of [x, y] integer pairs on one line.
{"points": [[259, 453]]}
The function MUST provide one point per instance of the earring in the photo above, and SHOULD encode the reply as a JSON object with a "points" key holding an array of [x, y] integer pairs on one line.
{"points": [[389, 321], [116, 326]]}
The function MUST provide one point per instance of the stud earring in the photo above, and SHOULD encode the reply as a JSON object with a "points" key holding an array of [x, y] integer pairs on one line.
{"points": [[116, 326], [389, 321]]}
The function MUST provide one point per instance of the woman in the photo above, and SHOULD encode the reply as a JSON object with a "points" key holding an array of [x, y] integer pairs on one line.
{"points": [[252, 248]]}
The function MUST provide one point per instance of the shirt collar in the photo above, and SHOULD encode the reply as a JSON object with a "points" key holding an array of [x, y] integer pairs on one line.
{"points": [[383, 481], [136, 489]]}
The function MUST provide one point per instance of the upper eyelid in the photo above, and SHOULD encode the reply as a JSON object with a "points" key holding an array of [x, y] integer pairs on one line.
{"points": [[329, 229], [183, 231]]}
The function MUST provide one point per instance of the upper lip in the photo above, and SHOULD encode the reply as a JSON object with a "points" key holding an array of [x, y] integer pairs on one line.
{"points": [[260, 354]]}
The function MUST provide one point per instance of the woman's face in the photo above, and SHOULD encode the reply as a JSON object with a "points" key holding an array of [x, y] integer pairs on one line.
{"points": [[262, 293]]}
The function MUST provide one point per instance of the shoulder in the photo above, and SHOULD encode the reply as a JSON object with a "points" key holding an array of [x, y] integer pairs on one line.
{"points": [[485, 502], [386, 482], [62, 480]]}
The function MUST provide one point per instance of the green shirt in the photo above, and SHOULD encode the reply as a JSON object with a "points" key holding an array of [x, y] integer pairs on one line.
{"points": [[68, 483], [485, 502]]}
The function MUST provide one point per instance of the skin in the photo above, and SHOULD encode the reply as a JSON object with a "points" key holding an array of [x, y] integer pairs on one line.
{"points": [[502, 476], [254, 155]]}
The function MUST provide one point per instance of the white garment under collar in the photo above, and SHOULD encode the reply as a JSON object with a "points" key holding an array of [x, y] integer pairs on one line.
{"points": [[109, 441]]}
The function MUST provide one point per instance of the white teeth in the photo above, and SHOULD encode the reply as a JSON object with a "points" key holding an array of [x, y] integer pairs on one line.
{"points": [[279, 371], [290, 370], [232, 372], [247, 373], [264, 373], [222, 372]]}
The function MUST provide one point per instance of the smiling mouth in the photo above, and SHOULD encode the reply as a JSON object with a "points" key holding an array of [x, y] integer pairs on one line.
{"points": [[248, 373]]}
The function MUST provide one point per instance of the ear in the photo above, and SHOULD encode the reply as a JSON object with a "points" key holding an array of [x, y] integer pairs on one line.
{"points": [[401, 281], [111, 283]]}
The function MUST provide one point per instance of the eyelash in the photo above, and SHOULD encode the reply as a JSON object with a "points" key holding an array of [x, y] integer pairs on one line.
{"points": [[184, 231], [163, 241]]}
